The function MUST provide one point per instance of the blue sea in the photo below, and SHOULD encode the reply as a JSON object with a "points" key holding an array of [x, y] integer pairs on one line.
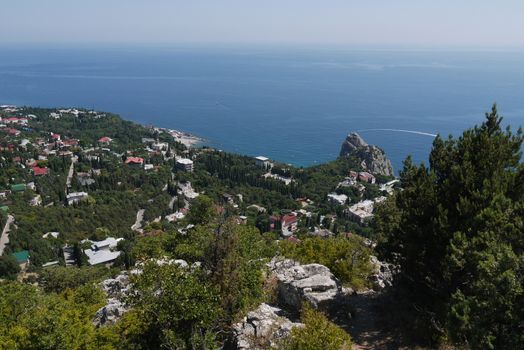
{"points": [[292, 104]]}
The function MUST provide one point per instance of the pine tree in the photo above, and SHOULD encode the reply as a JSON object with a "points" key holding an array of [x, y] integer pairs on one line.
{"points": [[457, 231]]}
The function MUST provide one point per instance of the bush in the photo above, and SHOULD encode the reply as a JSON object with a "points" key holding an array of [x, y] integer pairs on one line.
{"points": [[347, 258], [318, 333], [8, 267]]}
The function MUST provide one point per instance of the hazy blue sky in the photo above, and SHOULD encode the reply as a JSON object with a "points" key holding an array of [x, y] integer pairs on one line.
{"points": [[486, 23]]}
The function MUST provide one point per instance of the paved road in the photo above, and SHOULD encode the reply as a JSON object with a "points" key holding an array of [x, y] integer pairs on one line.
{"points": [[137, 226], [71, 171], [4, 238]]}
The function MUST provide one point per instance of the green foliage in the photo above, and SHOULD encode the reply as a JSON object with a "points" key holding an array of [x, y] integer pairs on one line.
{"points": [[173, 308], [318, 333], [58, 279], [31, 320], [316, 182], [347, 258], [202, 210], [8, 267], [233, 256], [456, 231], [236, 259], [196, 245]]}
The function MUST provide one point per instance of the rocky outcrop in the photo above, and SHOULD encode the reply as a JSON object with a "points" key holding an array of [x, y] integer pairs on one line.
{"points": [[263, 328], [110, 313], [313, 283], [383, 273], [373, 158], [116, 289]]}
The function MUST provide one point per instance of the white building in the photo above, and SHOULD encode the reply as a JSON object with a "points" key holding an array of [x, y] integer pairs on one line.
{"points": [[175, 216], [337, 199], [101, 252], [36, 201], [361, 212], [187, 190], [389, 186], [76, 197], [262, 161], [160, 146], [184, 164]]}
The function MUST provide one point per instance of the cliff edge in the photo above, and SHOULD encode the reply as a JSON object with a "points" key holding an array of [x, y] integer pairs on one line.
{"points": [[373, 158]]}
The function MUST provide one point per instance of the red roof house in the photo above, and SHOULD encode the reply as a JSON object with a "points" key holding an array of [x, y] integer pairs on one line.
{"points": [[71, 142], [289, 224], [12, 131], [134, 161], [105, 139], [40, 171]]}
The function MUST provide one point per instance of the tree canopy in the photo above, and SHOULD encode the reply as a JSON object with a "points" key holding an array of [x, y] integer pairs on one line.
{"points": [[456, 230]]}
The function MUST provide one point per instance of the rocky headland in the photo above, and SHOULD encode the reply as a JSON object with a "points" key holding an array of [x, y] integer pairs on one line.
{"points": [[373, 159]]}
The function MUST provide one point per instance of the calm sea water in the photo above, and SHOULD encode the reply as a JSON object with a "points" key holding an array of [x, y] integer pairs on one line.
{"points": [[294, 105]]}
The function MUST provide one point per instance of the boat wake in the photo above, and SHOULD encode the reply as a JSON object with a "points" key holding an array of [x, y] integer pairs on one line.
{"points": [[402, 130]]}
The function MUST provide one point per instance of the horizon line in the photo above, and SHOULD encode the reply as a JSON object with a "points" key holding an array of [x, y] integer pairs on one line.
{"points": [[302, 45]]}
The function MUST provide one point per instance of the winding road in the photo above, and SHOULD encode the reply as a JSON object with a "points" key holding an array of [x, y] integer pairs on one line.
{"points": [[71, 172], [137, 226]]}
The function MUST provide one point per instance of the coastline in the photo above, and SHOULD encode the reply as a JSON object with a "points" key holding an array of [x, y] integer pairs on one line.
{"points": [[187, 139]]}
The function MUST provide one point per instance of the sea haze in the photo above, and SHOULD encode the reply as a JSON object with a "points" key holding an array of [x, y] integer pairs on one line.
{"points": [[294, 105]]}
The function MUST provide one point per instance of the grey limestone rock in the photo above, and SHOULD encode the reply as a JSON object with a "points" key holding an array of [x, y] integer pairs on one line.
{"points": [[110, 313], [373, 158], [313, 283], [383, 274], [116, 289], [263, 328]]}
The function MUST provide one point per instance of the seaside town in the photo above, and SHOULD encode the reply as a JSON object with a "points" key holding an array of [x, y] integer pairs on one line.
{"points": [[48, 167]]}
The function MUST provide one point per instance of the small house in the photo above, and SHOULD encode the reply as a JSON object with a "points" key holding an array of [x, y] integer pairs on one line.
{"points": [[22, 258], [289, 224], [337, 199], [184, 164], [37, 171], [262, 161], [105, 140], [76, 197], [360, 212], [136, 162], [364, 176], [18, 188], [102, 252]]}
